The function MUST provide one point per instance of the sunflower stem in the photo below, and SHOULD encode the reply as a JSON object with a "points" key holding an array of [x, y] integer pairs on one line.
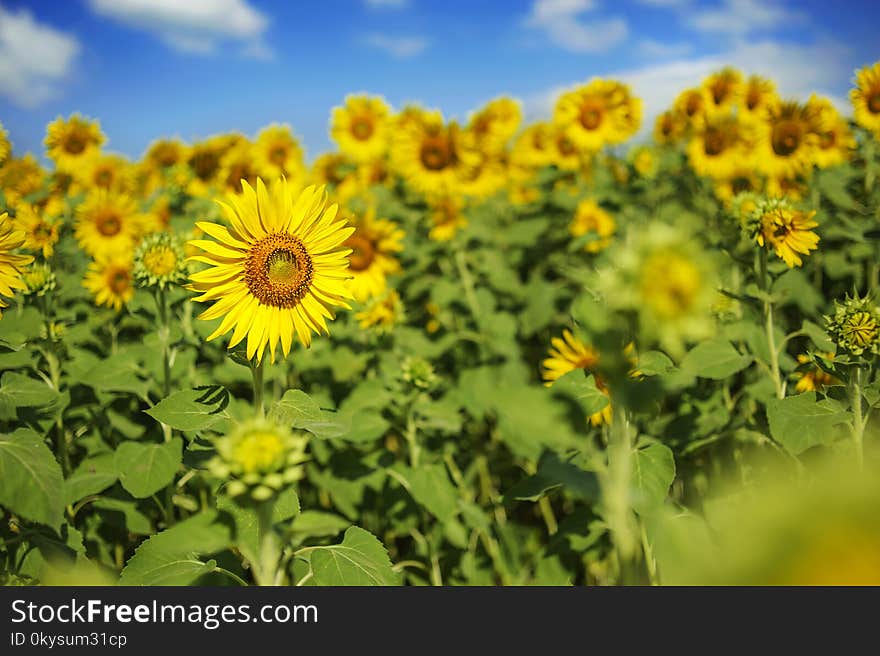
{"points": [[257, 374], [858, 424], [412, 437], [769, 327], [467, 282], [266, 572]]}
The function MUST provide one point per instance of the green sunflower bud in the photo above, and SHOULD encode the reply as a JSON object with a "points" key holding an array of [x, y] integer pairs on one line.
{"points": [[159, 261], [855, 326]]}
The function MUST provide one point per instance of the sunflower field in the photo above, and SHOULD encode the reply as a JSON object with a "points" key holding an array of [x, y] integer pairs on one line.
{"points": [[450, 353]]}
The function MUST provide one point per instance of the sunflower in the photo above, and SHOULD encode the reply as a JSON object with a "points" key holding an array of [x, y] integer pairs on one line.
{"points": [[494, 124], [717, 147], [787, 140], [813, 378], [40, 233], [278, 270], [533, 147], [331, 169], [159, 261], [107, 223], [759, 94], [485, 177], [723, 90], [836, 141], [668, 128], [866, 98], [111, 281], [590, 219], [374, 246], [278, 153], [103, 171], [568, 354], [431, 155], [598, 113], [644, 161], [19, 177], [239, 163], [382, 314], [564, 152], [11, 264], [5, 146], [742, 179], [361, 127], [784, 186], [855, 325], [446, 217], [165, 153], [690, 106], [203, 160], [70, 142], [789, 232]]}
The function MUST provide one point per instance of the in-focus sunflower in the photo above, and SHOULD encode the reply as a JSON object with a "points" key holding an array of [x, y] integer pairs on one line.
{"points": [[40, 233], [775, 224], [598, 113], [279, 153], [855, 325], [107, 223], [570, 353], [374, 246], [111, 281], [835, 140], [431, 156], [278, 270], [495, 123], [11, 264], [447, 217], [361, 127], [723, 90], [590, 219], [865, 98], [159, 261], [717, 147], [70, 142], [787, 140]]}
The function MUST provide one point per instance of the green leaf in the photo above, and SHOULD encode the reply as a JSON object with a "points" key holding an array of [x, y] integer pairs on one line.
{"points": [[716, 359], [655, 363], [174, 556], [93, 475], [144, 469], [800, 422], [554, 472], [191, 410], [359, 560], [653, 473], [431, 488], [314, 523], [20, 391], [30, 478], [298, 410], [582, 388]]}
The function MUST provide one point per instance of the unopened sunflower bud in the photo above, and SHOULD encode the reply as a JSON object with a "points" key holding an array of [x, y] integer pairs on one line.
{"points": [[855, 326]]}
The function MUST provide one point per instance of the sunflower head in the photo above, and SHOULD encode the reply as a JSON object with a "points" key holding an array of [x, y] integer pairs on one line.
{"points": [[5, 146], [419, 373], [159, 261], [865, 98], [279, 153], [569, 353], [447, 217], [374, 248], [361, 127], [259, 459], [11, 264], [382, 314], [810, 376], [72, 141], [533, 147], [855, 326], [835, 141], [723, 89], [775, 224], [111, 281], [39, 280], [590, 219], [669, 127], [758, 95], [598, 113], [277, 270], [107, 223], [41, 233], [788, 139], [494, 124]]}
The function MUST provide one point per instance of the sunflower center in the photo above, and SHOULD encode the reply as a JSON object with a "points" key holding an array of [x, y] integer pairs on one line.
{"points": [[278, 154], [591, 116], [109, 224], [119, 281], [740, 184], [259, 451], [42, 232], [786, 138], [75, 144], [278, 270], [827, 140], [160, 261], [861, 329], [362, 128], [436, 153], [362, 252], [713, 142], [753, 99], [719, 92], [693, 104], [566, 147], [103, 178], [874, 103]]}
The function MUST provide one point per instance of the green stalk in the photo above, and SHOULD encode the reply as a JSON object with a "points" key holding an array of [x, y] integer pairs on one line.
{"points": [[266, 571], [467, 282], [412, 437], [616, 492], [257, 374], [768, 327], [854, 387]]}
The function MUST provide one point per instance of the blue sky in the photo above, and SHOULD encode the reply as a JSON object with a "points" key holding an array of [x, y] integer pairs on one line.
{"points": [[191, 68]]}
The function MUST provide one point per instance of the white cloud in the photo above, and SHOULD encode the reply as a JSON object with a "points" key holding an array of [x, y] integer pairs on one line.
{"points": [[797, 71], [660, 50], [562, 23], [386, 4], [739, 17], [192, 26], [402, 47], [34, 58]]}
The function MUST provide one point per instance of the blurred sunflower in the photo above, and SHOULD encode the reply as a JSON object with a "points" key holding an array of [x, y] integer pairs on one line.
{"points": [[668, 128], [783, 186], [494, 124], [598, 113], [107, 223], [485, 177], [446, 217], [741, 179], [590, 219], [19, 177], [239, 163], [110, 280], [331, 169], [564, 153], [717, 147], [104, 171], [835, 140], [865, 98], [723, 90], [759, 94], [70, 142], [569, 353], [361, 127], [278, 270], [382, 314], [40, 233], [165, 153], [431, 156], [775, 224], [533, 147], [204, 162], [690, 105], [5, 146], [278, 153], [11, 264], [787, 141], [374, 246], [644, 161], [811, 377]]}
